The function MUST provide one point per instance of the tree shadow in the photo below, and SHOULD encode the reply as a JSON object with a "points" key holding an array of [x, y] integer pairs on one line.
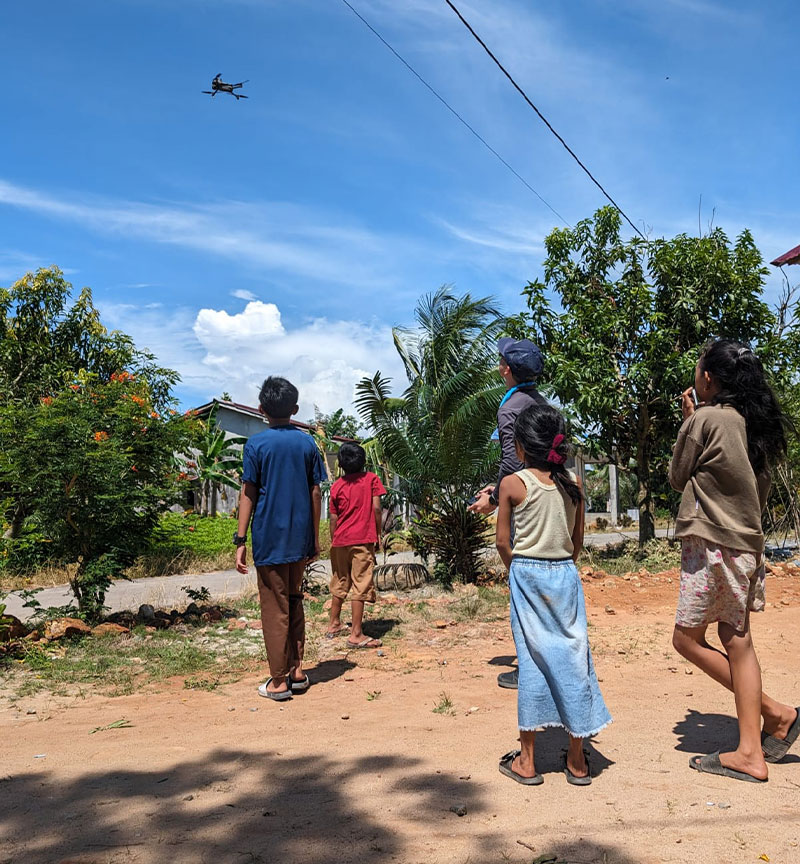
{"points": [[586, 852], [504, 660], [228, 805]]}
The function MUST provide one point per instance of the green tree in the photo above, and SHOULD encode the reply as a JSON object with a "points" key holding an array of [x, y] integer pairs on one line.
{"points": [[218, 462], [95, 462], [46, 339], [632, 320], [437, 435], [337, 423]]}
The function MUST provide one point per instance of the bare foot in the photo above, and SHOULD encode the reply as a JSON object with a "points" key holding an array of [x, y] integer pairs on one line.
{"points": [[576, 762], [523, 767], [278, 685], [754, 765], [779, 726]]}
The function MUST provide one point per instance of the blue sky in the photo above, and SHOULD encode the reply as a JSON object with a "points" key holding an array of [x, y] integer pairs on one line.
{"points": [[289, 232]]}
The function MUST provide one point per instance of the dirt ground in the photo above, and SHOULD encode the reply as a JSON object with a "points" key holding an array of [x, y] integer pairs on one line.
{"points": [[361, 769]]}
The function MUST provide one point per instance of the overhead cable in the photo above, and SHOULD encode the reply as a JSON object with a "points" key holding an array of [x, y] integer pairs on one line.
{"points": [[541, 116], [455, 113]]}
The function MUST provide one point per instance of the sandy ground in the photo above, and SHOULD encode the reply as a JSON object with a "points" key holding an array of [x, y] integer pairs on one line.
{"points": [[335, 776]]}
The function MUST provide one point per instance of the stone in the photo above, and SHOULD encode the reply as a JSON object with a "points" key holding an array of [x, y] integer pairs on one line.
{"points": [[440, 625], [146, 613], [610, 610], [61, 627], [215, 614], [14, 629], [108, 628], [192, 610], [254, 625], [459, 809]]}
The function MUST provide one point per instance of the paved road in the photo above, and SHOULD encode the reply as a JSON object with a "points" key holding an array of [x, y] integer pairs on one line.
{"points": [[166, 591]]}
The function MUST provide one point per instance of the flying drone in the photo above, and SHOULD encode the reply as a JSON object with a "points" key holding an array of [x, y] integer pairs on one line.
{"points": [[220, 86]]}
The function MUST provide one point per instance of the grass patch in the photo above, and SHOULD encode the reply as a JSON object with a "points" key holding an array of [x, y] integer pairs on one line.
{"points": [[444, 706], [626, 557], [119, 667]]}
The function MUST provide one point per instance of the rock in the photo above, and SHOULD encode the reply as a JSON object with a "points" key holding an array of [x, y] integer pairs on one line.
{"points": [[345, 716], [146, 613], [31, 711], [161, 615], [61, 627], [459, 809], [440, 625], [16, 629], [188, 797], [215, 614], [253, 625], [610, 610], [784, 602], [192, 610], [688, 671], [108, 628]]}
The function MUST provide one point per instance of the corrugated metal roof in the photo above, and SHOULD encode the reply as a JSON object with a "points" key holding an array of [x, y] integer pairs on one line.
{"points": [[790, 257]]}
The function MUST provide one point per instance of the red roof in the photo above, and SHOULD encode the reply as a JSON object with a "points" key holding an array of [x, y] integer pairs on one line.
{"points": [[790, 257]]}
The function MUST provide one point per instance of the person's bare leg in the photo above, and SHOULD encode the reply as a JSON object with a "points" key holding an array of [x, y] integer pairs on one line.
{"points": [[335, 624], [576, 761], [523, 764], [690, 642], [746, 676], [356, 633]]}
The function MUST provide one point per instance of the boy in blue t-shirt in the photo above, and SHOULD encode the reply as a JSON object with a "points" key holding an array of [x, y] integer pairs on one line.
{"points": [[282, 472]]}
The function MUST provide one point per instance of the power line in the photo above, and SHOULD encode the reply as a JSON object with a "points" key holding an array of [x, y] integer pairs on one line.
{"points": [[541, 116], [456, 114]]}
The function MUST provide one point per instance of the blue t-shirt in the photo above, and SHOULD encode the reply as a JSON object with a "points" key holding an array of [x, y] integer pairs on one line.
{"points": [[284, 463]]}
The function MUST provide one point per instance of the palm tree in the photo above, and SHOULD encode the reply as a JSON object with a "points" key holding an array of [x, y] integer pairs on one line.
{"points": [[219, 463], [437, 435]]}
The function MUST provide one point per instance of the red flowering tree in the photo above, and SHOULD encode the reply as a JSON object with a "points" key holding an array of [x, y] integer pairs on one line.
{"points": [[96, 463]]}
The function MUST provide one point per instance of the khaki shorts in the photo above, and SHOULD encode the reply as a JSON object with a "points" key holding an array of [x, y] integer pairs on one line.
{"points": [[351, 567]]}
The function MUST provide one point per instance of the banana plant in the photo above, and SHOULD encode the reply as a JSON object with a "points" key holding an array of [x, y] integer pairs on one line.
{"points": [[218, 463]]}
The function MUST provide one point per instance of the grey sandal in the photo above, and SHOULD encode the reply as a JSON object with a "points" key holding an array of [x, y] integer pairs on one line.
{"points": [[776, 748], [505, 768], [574, 779], [279, 696], [711, 764]]}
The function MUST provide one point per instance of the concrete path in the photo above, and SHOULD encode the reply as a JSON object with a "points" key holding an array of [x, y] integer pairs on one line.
{"points": [[166, 591]]}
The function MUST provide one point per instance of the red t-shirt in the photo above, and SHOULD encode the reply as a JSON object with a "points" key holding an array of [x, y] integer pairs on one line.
{"points": [[351, 502]]}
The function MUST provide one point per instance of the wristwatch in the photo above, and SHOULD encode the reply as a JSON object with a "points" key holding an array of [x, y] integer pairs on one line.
{"points": [[238, 540]]}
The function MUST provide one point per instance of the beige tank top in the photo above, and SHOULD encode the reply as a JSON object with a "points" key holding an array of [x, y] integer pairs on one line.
{"points": [[544, 521]]}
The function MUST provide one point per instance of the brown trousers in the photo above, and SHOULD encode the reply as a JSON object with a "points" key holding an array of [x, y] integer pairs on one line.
{"points": [[282, 617]]}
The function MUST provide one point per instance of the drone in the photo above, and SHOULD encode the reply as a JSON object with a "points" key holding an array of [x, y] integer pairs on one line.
{"points": [[220, 86]]}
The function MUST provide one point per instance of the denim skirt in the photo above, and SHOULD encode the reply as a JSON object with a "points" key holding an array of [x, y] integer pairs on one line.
{"points": [[557, 682]]}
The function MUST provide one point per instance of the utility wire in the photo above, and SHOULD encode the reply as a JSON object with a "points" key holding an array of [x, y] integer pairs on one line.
{"points": [[457, 115], [541, 116]]}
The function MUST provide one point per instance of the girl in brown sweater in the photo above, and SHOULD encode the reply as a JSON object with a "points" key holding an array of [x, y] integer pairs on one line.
{"points": [[721, 464]]}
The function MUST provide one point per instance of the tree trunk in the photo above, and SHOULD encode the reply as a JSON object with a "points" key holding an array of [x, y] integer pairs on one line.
{"points": [[204, 499], [17, 521], [647, 524], [212, 494]]}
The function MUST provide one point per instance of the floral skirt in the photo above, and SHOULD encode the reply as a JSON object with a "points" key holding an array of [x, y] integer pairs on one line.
{"points": [[718, 584], [557, 682]]}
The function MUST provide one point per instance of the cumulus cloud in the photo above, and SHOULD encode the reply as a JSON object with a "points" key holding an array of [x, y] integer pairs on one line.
{"points": [[215, 350]]}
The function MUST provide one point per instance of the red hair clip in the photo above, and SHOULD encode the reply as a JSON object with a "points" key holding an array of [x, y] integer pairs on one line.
{"points": [[554, 456]]}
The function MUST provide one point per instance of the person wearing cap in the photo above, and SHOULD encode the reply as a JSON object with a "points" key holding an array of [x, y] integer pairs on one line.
{"points": [[520, 365]]}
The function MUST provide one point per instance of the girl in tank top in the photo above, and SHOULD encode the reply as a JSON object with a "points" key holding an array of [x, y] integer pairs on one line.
{"points": [[557, 681]]}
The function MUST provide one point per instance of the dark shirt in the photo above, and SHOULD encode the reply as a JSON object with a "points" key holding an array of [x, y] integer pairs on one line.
{"points": [[506, 415], [284, 463]]}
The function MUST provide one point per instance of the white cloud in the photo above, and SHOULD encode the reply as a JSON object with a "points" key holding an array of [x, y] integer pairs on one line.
{"points": [[215, 351], [241, 294], [271, 236]]}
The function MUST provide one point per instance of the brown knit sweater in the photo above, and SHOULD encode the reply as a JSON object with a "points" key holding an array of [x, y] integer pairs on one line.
{"points": [[722, 497]]}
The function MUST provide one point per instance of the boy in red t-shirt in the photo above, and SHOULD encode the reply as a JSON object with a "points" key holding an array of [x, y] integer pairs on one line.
{"points": [[355, 536]]}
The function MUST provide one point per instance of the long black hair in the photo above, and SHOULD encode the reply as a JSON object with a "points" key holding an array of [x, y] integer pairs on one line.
{"points": [[541, 432], [740, 376]]}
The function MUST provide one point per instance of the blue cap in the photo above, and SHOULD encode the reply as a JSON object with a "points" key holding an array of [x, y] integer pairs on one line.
{"points": [[523, 357]]}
